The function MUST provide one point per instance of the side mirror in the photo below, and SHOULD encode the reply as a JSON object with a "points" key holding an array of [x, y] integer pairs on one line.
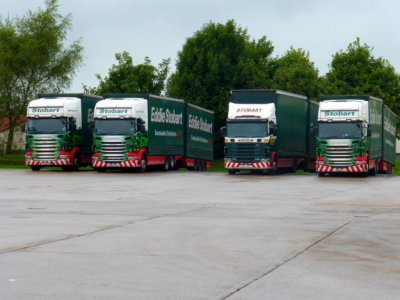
{"points": [[91, 128], [273, 129], [313, 130], [140, 126], [222, 131], [73, 127], [369, 131]]}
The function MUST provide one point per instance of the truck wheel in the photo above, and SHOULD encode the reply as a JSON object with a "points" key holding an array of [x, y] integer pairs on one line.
{"points": [[294, 168], [166, 164], [36, 168], [373, 171], [204, 165], [201, 166], [77, 162], [143, 164], [274, 169], [172, 162], [321, 174], [232, 172]]}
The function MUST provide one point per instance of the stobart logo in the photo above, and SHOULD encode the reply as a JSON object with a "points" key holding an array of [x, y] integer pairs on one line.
{"points": [[339, 113], [45, 110], [198, 123], [249, 110], [170, 117], [112, 111]]}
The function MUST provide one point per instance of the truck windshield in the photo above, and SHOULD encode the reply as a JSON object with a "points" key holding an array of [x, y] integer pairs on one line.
{"points": [[340, 130], [114, 127], [244, 129], [46, 125]]}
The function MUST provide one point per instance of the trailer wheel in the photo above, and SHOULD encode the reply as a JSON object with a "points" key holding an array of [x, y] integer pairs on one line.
{"points": [[172, 162], [36, 168], [166, 164], [143, 164]]}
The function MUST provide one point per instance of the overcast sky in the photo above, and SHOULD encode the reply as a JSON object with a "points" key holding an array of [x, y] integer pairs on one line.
{"points": [[159, 28]]}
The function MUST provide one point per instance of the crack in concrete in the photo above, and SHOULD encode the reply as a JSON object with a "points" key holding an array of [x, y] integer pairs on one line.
{"points": [[104, 228], [236, 290]]}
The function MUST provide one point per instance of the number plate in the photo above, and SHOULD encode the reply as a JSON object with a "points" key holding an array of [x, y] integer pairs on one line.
{"points": [[45, 163], [113, 165]]}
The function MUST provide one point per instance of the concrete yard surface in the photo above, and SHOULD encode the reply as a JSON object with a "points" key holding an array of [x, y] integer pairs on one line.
{"points": [[198, 235]]}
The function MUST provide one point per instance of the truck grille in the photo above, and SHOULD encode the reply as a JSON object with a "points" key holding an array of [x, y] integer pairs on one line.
{"points": [[113, 151], [45, 148], [339, 156], [246, 151]]}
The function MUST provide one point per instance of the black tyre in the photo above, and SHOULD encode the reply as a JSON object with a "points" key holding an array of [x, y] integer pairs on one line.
{"points": [[165, 167], [143, 164], [232, 172], [36, 168], [172, 163], [321, 174]]}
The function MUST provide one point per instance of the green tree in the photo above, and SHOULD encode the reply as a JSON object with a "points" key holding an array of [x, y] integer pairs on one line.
{"points": [[357, 72], [215, 60], [294, 72], [125, 77], [34, 60]]}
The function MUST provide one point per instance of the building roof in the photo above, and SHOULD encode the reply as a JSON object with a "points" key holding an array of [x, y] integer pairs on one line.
{"points": [[5, 122]]}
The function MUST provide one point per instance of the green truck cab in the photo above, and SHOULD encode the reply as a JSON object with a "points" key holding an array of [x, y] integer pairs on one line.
{"points": [[352, 136], [59, 131], [269, 130]]}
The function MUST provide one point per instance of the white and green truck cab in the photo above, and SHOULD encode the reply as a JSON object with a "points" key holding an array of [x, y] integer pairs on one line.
{"points": [[58, 131], [353, 134]]}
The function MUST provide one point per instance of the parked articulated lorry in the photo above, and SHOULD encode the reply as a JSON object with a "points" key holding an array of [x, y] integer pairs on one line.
{"points": [[356, 135], [59, 131], [269, 130], [141, 130]]}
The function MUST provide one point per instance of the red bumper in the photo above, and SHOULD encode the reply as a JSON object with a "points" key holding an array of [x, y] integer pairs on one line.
{"points": [[58, 162], [361, 168], [248, 165], [122, 164]]}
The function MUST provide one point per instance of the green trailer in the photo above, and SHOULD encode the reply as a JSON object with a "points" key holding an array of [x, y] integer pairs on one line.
{"points": [[198, 137], [388, 141], [59, 130], [139, 130], [312, 123], [267, 130]]}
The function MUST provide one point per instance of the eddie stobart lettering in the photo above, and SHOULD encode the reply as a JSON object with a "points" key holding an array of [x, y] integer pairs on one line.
{"points": [[338, 113], [170, 117], [198, 123], [45, 110], [112, 111]]}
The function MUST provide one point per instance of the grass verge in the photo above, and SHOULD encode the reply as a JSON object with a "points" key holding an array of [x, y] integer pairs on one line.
{"points": [[17, 161]]}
